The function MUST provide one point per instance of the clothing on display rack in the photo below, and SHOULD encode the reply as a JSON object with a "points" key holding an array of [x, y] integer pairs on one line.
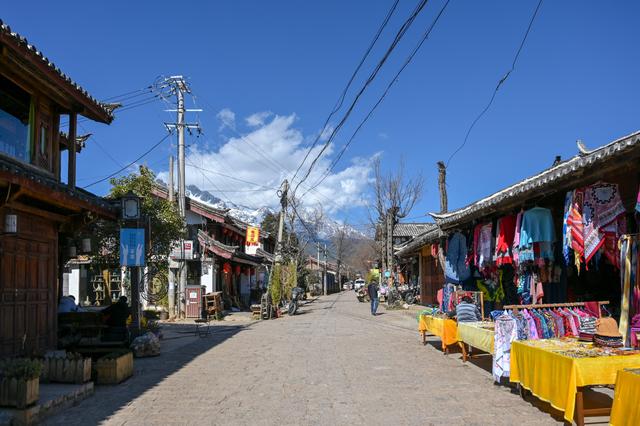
{"points": [[506, 331], [456, 268]]}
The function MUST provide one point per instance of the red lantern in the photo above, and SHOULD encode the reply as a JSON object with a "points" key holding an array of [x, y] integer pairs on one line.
{"points": [[237, 269], [226, 268]]}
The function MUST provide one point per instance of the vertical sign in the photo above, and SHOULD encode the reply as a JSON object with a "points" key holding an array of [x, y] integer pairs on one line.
{"points": [[132, 251], [253, 236]]}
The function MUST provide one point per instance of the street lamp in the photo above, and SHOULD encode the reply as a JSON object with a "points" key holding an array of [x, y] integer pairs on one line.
{"points": [[130, 206]]}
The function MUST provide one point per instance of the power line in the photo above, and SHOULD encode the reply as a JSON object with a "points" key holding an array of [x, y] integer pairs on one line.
{"points": [[126, 93], [234, 178], [157, 144], [346, 89], [500, 83], [415, 50], [401, 32]]}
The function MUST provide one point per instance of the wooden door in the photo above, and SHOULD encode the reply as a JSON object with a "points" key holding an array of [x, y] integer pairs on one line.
{"points": [[28, 287]]}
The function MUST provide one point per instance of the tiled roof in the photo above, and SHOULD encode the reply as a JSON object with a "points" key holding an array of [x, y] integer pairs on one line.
{"points": [[17, 169], [36, 56], [564, 173], [427, 237], [411, 229]]}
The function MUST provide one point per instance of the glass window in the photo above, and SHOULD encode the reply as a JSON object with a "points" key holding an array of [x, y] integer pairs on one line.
{"points": [[17, 115]]}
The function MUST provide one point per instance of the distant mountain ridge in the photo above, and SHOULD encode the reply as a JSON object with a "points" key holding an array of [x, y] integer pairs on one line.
{"points": [[254, 216]]}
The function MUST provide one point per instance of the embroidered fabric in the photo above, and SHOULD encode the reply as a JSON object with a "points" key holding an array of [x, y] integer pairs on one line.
{"points": [[506, 331]]}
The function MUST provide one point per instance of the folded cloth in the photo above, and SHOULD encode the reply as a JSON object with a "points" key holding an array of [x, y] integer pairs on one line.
{"points": [[608, 341], [588, 325], [585, 337]]}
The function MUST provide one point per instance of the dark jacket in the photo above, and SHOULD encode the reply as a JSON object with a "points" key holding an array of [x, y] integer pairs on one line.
{"points": [[372, 289]]}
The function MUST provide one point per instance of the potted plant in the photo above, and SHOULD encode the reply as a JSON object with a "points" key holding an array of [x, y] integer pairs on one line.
{"points": [[114, 367], [65, 367], [19, 382]]}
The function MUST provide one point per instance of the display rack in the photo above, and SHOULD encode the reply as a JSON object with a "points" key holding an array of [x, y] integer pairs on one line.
{"points": [[554, 305]]}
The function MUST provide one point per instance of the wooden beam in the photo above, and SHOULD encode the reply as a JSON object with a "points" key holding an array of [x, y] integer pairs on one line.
{"points": [[71, 177], [38, 212]]}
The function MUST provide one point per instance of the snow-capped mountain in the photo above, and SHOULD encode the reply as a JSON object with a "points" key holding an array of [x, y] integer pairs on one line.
{"points": [[242, 213], [328, 228]]}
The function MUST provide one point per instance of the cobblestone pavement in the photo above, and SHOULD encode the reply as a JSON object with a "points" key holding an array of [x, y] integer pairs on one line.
{"points": [[333, 364]]}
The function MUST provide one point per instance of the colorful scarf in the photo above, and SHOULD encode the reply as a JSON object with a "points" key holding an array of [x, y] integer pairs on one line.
{"points": [[575, 224], [566, 227]]}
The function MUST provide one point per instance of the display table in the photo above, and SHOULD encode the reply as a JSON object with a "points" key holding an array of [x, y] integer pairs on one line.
{"points": [[556, 372], [476, 334], [445, 329], [626, 410]]}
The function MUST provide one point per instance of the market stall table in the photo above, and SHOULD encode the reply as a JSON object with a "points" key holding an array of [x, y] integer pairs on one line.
{"points": [[626, 410], [478, 334], [445, 329], [557, 371]]}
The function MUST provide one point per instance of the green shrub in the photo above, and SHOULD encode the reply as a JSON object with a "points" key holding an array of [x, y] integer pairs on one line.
{"points": [[20, 368]]}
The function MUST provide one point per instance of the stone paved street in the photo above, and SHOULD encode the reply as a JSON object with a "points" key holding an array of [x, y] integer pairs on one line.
{"points": [[333, 364]]}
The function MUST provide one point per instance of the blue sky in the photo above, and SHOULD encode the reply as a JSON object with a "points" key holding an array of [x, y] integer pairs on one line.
{"points": [[576, 78]]}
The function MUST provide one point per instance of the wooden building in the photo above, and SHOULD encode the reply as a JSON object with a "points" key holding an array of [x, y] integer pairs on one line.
{"points": [[41, 205], [221, 261], [614, 163]]}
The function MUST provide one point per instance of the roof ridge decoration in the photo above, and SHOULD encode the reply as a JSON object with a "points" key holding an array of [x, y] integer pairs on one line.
{"points": [[24, 43], [542, 179]]}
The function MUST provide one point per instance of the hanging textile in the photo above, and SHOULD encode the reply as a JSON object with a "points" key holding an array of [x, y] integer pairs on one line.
{"points": [[506, 331], [606, 199], [566, 227], [484, 245], [638, 202], [504, 240], [476, 241], [516, 239], [537, 226], [456, 268], [625, 284], [576, 224]]}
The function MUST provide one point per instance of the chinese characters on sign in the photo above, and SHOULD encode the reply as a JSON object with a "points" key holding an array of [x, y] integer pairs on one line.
{"points": [[132, 247], [253, 236]]}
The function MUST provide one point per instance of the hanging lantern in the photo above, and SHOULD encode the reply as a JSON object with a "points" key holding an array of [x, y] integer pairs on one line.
{"points": [[237, 269], [226, 268], [10, 223], [73, 251], [86, 245]]}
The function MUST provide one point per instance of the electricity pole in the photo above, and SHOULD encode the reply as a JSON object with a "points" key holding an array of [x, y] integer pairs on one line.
{"points": [[172, 282], [283, 203], [318, 264], [325, 271], [179, 87]]}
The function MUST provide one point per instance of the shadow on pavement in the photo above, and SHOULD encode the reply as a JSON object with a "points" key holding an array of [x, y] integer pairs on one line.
{"points": [[175, 354]]}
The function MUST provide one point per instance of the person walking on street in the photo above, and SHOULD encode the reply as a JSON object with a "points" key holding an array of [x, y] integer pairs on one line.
{"points": [[372, 289]]}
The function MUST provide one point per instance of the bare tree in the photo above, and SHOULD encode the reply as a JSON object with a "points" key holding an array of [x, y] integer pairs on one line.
{"points": [[340, 242], [394, 190]]}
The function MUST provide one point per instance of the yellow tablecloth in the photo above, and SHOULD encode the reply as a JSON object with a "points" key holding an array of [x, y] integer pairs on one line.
{"points": [[474, 335], [445, 329], [554, 377], [626, 410]]}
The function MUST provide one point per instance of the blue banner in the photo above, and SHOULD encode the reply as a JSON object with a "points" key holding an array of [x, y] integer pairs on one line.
{"points": [[132, 251]]}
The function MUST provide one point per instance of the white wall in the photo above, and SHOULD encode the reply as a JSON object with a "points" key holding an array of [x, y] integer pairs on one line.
{"points": [[71, 283]]}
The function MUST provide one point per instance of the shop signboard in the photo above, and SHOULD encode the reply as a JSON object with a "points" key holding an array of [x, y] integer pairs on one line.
{"points": [[253, 236], [184, 251]]}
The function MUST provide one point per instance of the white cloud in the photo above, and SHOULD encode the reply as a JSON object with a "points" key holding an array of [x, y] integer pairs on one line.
{"points": [[268, 154], [258, 118], [227, 118]]}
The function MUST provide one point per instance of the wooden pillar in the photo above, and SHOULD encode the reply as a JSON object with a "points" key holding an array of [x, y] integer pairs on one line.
{"points": [[55, 149], [71, 176]]}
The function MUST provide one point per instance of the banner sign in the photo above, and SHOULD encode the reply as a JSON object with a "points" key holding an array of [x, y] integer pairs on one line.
{"points": [[253, 236], [185, 252], [132, 251]]}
